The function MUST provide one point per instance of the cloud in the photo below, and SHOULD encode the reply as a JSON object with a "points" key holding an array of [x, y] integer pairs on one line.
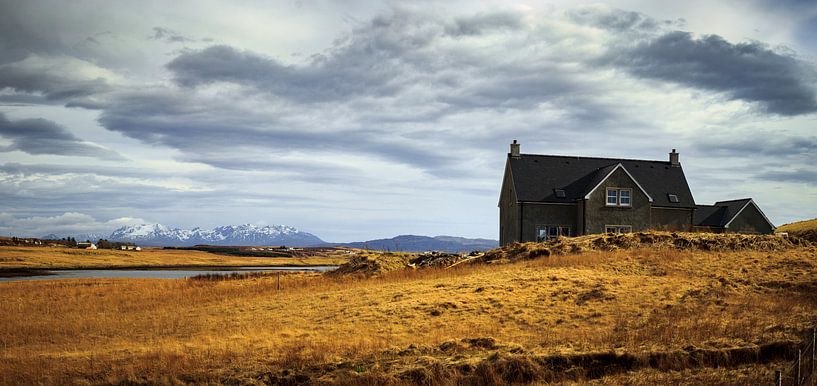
{"points": [[169, 36], [63, 224], [41, 136], [484, 22], [777, 82], [802, 176], [58, 78]]}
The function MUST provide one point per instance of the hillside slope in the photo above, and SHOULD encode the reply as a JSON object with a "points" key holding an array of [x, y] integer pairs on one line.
{"points": [[804, 229]]}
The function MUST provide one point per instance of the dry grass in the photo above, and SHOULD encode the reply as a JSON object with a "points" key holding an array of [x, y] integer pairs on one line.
{"points": [[408, 325], [72, 258]]}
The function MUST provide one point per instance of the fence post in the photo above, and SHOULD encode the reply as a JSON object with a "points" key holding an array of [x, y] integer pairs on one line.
{"points": [[813, 349], [778, 378], [278, 285], [799, 356]]}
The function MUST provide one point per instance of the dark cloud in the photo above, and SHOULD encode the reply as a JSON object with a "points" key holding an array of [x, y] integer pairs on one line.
{"points": [[53, 87], [778, 83], [41, 136]]}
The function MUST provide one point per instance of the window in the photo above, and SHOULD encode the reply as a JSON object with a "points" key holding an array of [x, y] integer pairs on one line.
{"points": [[672, 198], [546, 232], [618, 228], [619, 197], [560, 193], [612, 196], [624, 197]]}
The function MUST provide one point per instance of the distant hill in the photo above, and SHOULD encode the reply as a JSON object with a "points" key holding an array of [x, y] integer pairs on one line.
{"points": [[247, 234], [414, 243], [805, 229]]}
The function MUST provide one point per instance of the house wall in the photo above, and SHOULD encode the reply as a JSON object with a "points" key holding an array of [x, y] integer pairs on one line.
{"points": [[598, 214], [671, 219], [708, 229], [750, 221], [534, 214], [508, 212]]}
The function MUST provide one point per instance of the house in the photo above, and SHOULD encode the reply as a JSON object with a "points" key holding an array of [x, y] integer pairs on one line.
{"points": [[86, 245], [735, 216], [546, 196]]}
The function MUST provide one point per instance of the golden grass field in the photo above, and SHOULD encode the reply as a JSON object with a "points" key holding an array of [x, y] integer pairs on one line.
{"points": [[73, 258], [477, 324]]}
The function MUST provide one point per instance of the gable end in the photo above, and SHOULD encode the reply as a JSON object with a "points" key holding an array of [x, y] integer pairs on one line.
{"points": [[587, 196]]}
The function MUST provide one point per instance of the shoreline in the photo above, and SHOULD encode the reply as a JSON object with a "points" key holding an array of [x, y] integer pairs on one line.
{"points": [[25, 272]]}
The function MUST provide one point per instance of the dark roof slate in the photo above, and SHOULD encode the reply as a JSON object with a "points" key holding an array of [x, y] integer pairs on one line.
{"points": [[536, 176], [720, 214]]}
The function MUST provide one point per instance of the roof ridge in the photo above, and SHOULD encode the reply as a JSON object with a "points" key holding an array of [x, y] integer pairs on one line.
{"points": [[587, 157], [737, 199]]}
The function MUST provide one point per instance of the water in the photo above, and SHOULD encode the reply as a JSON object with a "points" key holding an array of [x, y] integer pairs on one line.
{"points": [[156, 273]]}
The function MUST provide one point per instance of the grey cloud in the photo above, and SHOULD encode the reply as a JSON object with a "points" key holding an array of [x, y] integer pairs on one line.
{"points": [[320, 81], [41, 136], [769, 144], [778, 83], [53, 87], [615, 20], [205, 129], [169, 36], [479, 24], [805, 176]]}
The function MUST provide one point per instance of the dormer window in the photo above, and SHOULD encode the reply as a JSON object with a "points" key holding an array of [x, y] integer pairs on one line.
{"points": [[560, 193], [619, 197]]}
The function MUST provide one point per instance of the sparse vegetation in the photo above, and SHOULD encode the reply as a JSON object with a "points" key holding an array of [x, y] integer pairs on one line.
{"points": [[642, 315]]}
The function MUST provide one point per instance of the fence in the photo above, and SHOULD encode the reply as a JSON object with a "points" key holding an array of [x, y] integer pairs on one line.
{"points": [[802, 371]]}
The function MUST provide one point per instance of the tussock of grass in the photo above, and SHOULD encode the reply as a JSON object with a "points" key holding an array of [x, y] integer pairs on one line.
{"points": [[477, 323], [653, 239]]}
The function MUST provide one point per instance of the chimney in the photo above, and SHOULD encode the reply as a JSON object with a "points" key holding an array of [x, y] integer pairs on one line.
{"points": [[515, 149], [673, 159]]}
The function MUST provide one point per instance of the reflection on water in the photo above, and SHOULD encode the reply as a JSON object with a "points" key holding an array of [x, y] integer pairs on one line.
{"points": [[156, 273]]}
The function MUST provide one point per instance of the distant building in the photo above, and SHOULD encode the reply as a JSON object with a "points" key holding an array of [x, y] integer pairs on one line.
{"points": [[547, 196], [86, 246]]}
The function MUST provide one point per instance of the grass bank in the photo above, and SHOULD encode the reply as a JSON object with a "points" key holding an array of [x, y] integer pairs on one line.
{"points": [[20, 258], [468, 324]]}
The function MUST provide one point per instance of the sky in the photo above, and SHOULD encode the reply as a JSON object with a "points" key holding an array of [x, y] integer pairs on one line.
{"points": [[355, 120]]}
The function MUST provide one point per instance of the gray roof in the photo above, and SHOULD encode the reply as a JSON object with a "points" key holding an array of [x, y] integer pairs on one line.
{"points": [[720, 214], [535, 177]]}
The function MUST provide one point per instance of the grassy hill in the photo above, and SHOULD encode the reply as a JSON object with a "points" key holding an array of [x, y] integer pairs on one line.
{"points": [[624, 312], [805, 229]]}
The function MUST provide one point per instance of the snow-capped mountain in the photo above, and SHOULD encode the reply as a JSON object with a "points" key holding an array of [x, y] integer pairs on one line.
{"points": [[247, 234], [78, 237]]}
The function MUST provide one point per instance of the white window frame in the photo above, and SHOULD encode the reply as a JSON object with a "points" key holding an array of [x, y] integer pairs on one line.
{"points": [[608, 196], [617, 193], [547, 230], [617, 229]]}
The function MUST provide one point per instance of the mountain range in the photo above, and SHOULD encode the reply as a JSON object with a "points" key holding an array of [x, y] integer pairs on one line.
{"points": [[248, 234]]}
